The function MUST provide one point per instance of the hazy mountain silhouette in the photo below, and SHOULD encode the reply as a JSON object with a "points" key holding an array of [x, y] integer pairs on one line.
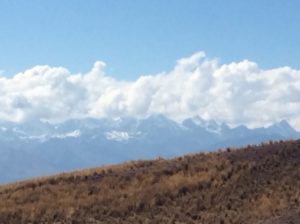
{"points": [[39, 148]]}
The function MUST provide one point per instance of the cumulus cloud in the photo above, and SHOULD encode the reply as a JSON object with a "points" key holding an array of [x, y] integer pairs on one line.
{"points": [[235, 93]]}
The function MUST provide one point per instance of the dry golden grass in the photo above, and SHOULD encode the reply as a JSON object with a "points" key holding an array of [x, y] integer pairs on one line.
{"points": [[256, 184]]}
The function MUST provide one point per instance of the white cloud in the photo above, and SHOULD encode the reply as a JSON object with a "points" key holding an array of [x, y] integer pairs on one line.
{"points": [[236, 93]]}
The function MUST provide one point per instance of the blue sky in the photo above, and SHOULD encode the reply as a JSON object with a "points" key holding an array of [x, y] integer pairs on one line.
{"points": [[135, 38], [146, 37]]}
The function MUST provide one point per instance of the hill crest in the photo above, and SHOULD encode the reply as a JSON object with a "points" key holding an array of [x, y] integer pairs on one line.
{"points": [[256, 184]]}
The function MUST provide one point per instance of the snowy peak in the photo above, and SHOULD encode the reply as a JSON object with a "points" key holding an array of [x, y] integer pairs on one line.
{"points": [[208, 125], [283, 125], [283, 128], [125, 128], [82, 143]]}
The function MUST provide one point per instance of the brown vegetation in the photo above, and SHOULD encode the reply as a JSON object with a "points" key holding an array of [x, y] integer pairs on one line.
{"points": [[256, 184]]}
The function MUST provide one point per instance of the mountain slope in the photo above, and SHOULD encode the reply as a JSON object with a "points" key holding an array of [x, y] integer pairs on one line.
{"points": [[77, 144], [256, 184]]}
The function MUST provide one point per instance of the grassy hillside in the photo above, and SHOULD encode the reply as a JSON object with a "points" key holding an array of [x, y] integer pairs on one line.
{"points": [[256, 184]]}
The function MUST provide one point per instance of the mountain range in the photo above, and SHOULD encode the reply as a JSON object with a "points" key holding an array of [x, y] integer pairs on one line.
{"points": [[41, 148]]}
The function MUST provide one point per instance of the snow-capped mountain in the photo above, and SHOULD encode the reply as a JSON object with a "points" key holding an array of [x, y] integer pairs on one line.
{"points": [[40, 148]]}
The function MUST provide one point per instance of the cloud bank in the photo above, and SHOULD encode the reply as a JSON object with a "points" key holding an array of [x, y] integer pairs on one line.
{"points": [[235, 93]]}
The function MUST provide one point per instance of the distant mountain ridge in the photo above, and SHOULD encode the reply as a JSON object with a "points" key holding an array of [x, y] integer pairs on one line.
{"points": [[40, 148]]}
